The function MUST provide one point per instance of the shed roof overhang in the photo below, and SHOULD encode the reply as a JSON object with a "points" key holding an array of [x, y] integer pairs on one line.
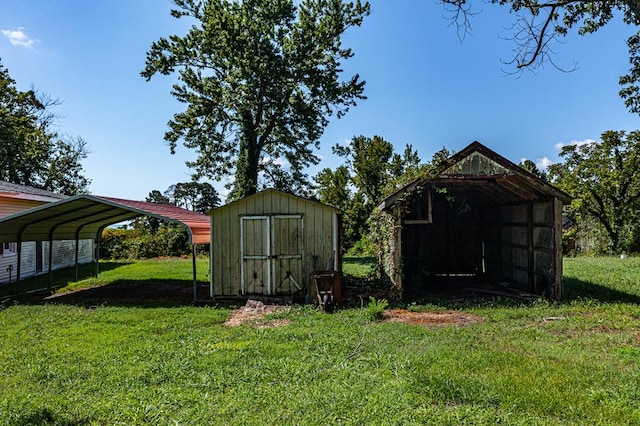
{"points": [[84, 216], [499, 182]]}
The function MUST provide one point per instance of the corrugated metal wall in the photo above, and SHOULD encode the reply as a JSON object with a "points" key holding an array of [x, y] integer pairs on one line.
{"points": [[293, 225]]}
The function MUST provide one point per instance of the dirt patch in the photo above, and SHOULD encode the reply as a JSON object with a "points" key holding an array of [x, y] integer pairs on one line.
{"points": [[253, 313], [430, 319]]}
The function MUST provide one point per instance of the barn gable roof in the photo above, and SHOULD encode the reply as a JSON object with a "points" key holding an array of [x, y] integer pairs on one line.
{"points": [[272, 191], [489, 173]]}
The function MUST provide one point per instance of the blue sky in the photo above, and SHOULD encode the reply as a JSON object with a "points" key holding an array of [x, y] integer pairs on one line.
{"points": [[424, 86]]}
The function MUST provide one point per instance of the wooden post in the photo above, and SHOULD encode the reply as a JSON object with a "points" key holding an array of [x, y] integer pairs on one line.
{"points": [[530, 253], [556, 290]]}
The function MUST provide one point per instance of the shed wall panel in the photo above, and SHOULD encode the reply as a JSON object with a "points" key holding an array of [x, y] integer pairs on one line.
{"points": [[543, 213]]}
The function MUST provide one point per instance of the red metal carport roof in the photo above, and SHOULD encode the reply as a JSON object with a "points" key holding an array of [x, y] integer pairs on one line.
{"points": [[84, 216]]}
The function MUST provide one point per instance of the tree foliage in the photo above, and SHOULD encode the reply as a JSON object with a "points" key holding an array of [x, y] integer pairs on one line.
{"points": [[32, 152], [532, 168], [372, 170], [260, 79], [199, 197], [604, 178], [152, 237], [375, 167], [539, 25]]}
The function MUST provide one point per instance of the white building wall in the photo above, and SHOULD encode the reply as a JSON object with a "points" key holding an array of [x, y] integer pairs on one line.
{"points": [[63, 257]]}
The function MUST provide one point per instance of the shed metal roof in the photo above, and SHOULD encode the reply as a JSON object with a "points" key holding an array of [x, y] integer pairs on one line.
{"points": [[83, 216], [266, 192]]}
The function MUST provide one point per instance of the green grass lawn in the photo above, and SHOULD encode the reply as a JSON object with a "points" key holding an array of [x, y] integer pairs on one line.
{"points": [[577, 362]]}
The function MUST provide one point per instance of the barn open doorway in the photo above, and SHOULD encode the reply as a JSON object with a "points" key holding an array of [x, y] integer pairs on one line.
{"points": [[480, 217]]}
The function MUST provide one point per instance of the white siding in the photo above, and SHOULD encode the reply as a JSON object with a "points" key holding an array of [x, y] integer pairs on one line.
{"points": [[63, 257]]}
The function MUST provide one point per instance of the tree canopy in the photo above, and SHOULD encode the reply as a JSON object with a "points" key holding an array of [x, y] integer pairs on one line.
{"points": [[372, 170], [260, 79], [532, 168], [32, 152], [604, 178], [199, 197]]}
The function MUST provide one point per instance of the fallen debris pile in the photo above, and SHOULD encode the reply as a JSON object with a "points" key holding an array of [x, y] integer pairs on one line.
{"points": [[254, 311]]}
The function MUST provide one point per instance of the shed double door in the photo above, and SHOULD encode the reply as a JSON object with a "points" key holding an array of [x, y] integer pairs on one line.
{"points": [[271, 254]]}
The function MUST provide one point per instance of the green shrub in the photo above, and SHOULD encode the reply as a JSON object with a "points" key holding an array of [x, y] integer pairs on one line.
{"points": [[169, 240], [375, 308]]}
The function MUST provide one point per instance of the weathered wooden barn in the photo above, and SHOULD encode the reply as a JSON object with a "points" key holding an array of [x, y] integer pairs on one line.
{"points": [[270, 242], [482, 220]]}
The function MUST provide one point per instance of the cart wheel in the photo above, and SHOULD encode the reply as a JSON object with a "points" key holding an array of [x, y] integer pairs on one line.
{"points": [[327, 302]]}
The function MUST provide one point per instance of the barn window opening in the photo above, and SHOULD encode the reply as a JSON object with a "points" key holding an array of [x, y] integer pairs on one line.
{"points": [[419, 209], [8, 249]]}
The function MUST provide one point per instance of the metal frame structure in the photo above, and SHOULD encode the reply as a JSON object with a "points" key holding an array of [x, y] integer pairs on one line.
{"points": [[85, 217]]}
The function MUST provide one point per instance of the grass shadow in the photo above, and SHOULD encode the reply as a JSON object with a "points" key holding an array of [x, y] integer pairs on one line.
{"points": [[361, 260], [147, 293], [576, 289], [59, 278]]}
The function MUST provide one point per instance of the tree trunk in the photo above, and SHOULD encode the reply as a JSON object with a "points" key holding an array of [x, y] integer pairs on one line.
{"points": [[246, 181]]}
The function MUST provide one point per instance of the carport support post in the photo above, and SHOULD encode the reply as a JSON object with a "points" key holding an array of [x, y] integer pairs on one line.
{"points": [[19, 264], [50, 261], [98, 252], [195, 283], [76, 255]]}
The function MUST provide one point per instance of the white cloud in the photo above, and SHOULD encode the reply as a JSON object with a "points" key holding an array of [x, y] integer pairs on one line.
{"points": [[282, 162], [561, 145], [543, 163], [18, 38]]}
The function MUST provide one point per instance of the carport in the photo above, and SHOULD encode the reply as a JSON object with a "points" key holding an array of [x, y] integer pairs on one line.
{"points": [[86, 216]]}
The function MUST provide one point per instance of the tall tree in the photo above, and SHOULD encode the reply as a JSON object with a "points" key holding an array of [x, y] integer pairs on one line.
{"points": [[152, 224], [532, 168], [369, 160], [157, 197], [372, 170], [541, 24], [333, 187], [604, 178], [199, 197], [260, 79], [32, 152]]}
